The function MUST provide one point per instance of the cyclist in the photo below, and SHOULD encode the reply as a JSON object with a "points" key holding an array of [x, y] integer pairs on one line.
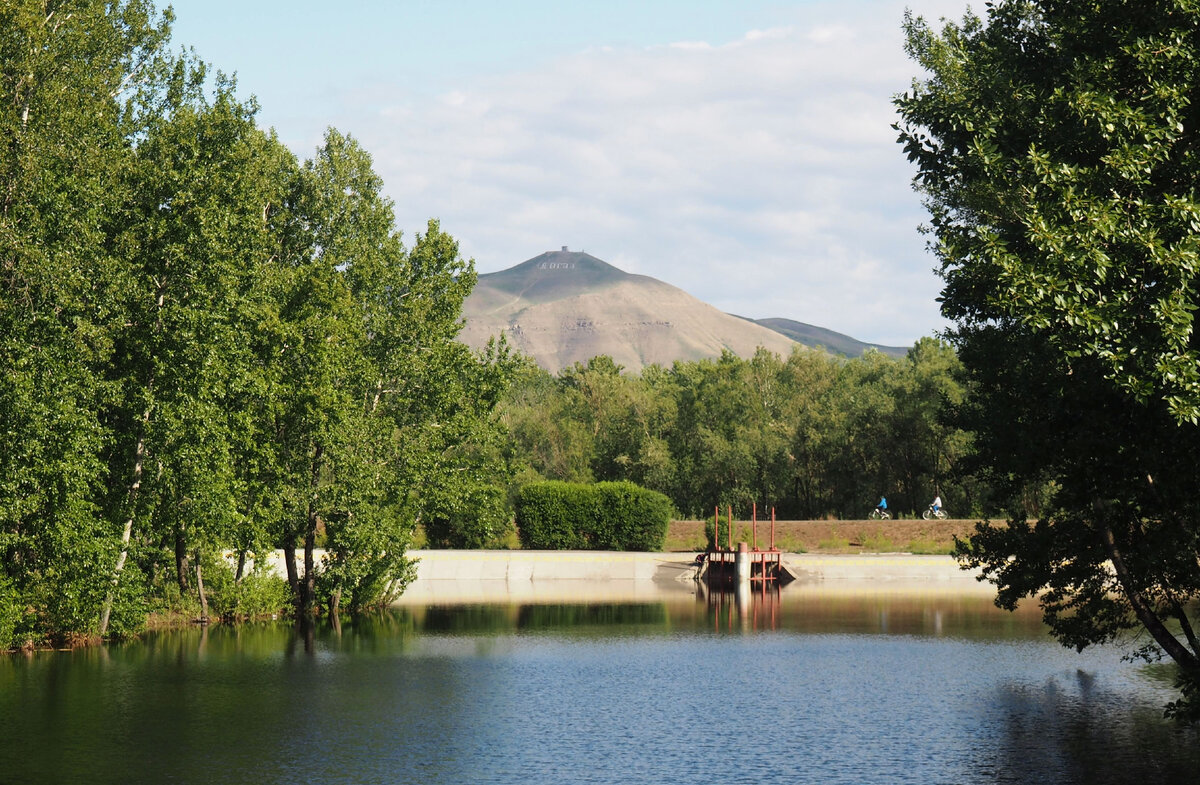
{"points": [[937, 503], [881, 508]]}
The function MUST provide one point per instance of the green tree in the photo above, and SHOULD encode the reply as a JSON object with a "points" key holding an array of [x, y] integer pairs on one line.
{"points": [[75, 80], [383, 418], [203, 185], [544, 419], [1057, 148]]}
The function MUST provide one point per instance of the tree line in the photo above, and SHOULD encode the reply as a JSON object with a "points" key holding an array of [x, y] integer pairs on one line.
{"points": [[210, 348], [813, 435]]}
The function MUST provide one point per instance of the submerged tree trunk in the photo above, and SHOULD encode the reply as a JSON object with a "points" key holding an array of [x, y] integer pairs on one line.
{"points": [[308, 584]]}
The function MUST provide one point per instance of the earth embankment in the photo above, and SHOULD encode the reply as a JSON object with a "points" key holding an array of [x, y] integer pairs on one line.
{"points": [[862, 536]]}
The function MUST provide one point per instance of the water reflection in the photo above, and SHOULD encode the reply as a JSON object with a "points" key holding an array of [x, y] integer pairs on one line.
{"points": [[1071, 729], [840, 687]]}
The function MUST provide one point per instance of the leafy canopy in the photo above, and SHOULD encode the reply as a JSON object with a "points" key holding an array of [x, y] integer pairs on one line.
{"points": [[1057, 144]]}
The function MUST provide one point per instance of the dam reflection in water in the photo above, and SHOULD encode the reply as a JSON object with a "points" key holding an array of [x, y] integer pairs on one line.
{"points": [[798, 686]]}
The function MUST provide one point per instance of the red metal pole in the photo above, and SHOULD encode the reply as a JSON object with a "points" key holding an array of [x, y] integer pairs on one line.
{"points": [[729, 511], [772, 528], [717, 528], [754, 522]]}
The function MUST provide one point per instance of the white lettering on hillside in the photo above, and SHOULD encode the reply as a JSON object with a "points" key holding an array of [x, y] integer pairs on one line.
{"points": [[556, 266]]}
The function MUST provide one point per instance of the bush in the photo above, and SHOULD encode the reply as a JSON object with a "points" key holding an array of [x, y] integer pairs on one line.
{"points": [[615, 516], [260, 592], [555, 515], [632, 518], [10, 614], [478, 518]]}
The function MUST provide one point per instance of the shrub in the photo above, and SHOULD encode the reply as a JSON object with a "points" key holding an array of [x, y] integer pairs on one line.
{"points": [[260, 592], [10, 614], [478, 518], [631, 518], [555, 515], [607, 516]]}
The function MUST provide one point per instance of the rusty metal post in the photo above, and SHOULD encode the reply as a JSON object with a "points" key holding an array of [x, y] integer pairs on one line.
{"points": [[729, 525], [716, 527], [772, 528], [754, 523]]}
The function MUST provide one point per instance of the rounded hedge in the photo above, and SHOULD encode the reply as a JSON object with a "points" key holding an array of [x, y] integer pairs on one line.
{"points": [[607, 516]]}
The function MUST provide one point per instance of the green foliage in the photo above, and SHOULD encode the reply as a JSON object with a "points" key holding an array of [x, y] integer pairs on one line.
{"points": [[207, 344], [632, 518], [556, 515], [259, 593], [476, 517], [1058, 152], [812, 435], [606, 516], [11, 613]]}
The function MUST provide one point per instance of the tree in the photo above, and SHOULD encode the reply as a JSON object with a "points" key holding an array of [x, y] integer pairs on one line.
{"points": [[75, 79], [1059, 153]]}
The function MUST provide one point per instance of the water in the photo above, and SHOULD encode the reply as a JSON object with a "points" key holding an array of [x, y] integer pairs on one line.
{"points": [[811, 688]]}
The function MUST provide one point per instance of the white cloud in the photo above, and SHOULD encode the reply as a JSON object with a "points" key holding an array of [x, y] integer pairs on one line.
{"points": [[760, 175]]}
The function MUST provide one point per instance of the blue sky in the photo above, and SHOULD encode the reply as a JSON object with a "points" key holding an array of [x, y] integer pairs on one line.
{"points": [[738, 150]]}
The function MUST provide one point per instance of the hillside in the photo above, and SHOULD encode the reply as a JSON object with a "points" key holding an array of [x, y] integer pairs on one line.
{"points": [[563, 307], [834, 342]]}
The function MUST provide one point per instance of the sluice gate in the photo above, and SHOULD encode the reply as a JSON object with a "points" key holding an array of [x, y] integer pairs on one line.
{"points": [[729, 567]]}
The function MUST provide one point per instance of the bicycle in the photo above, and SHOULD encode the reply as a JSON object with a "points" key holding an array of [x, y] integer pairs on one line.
{"points": [[931, 513], [880, 515]]}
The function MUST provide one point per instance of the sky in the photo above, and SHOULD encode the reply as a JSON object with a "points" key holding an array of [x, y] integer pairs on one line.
{"points": [[741, 150]]}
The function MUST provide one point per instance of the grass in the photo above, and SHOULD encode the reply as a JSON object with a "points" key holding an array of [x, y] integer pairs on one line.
{"points": [[879, 544], [930, 547], [832, 536]]}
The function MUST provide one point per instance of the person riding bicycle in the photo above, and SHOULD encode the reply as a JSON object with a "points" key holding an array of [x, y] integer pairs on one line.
{"points": [[937, 503], [881, 508]]}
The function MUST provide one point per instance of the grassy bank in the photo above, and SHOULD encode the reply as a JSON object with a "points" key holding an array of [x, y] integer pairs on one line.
{"points": [[832, 536]]}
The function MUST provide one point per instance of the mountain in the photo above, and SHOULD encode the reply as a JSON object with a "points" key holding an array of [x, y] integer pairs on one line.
{"points": [[813, 336], [563, 307]]}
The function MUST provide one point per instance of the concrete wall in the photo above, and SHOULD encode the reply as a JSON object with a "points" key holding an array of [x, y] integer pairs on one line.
{"points": [[581, 576]]}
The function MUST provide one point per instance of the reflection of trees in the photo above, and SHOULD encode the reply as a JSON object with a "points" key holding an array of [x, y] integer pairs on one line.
{"points": [[1082, 733], [467, 619], [972, 617], [573, 617]]}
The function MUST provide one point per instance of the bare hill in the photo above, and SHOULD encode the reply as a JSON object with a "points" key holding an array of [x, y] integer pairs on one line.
{"points": [[564, 307], [811, 335]]}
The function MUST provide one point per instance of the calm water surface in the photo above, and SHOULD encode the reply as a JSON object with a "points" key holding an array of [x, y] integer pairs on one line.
{"points": [[806, 688]]}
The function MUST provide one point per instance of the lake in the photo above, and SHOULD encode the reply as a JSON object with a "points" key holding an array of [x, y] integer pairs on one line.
{"points": [[802, 686]]}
